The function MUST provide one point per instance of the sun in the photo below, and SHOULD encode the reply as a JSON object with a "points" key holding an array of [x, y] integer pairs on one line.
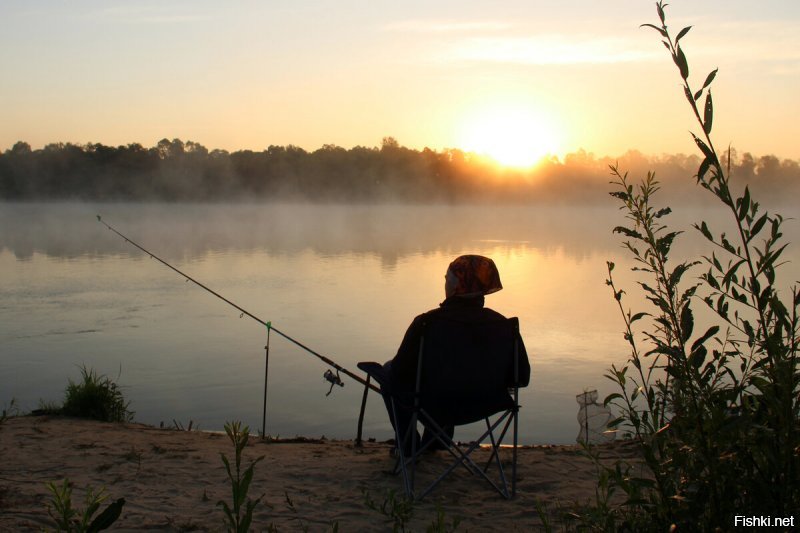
{"points": [[513, 136]]}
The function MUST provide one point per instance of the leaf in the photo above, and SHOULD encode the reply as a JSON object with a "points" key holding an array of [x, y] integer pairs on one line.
{"points": [[688, 95], [683, 65], [769, 272], [619, 194], [713, 330], [727, 245], [710, 78], [730, 275], [770, 258], [109, 515], [703, 227], [682, 33], [659, 30], [245, 483], [703, 169], [638, 316], [744, 206], [698, 94], [628, 232], [664, 244], [708, 114], [751, 334], [704, 148], [698, 357], [227, 465], [660, 10], [765, 296], [687, 323], [722, 307], [610, 398], [677, 274], [711, 280], [758, 226], [662, 212]]}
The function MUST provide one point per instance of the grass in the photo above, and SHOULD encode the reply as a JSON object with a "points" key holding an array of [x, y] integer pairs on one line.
{"points": [[97, 397], [9, 411]]}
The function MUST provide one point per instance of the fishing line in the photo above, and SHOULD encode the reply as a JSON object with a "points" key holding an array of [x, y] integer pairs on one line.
{"points": [[329, 376]]}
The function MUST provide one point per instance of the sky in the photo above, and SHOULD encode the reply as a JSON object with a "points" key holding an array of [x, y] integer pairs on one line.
{"points": [[513, 79]]}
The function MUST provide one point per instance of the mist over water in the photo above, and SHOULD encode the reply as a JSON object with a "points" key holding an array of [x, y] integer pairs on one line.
{"points": [[345, 280]]}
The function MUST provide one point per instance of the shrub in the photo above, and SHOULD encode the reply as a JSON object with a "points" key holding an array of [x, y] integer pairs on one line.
{"points": [[715, 414]]}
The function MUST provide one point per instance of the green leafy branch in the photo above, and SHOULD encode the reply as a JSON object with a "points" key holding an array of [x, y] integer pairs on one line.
{"points": [[239, 515], [74, 520]]}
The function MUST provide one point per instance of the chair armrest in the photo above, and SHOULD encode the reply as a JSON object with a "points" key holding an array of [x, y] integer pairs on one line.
{"points": [[375, 371]]}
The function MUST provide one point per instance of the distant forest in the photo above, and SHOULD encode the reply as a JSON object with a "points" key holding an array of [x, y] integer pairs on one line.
{"points": [[187, 171]]}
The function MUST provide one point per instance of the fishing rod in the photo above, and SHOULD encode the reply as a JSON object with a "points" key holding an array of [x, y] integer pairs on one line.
{"points": [[334, 379]]}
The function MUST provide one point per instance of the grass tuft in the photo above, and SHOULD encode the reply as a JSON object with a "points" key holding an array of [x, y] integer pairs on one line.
{"points": [[97, 397]]}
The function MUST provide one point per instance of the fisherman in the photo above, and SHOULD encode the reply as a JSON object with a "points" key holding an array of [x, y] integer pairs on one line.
{"points": [[468, 279]]}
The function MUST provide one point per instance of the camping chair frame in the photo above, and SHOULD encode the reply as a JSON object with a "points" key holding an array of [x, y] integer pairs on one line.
{"points": [[505, 418]]}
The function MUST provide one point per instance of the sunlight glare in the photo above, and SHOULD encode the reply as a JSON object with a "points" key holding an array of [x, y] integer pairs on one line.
{"points": [[513, 136]]}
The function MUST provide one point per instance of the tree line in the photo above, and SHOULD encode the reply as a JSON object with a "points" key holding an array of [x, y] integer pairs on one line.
{"points": [[174, 170]]}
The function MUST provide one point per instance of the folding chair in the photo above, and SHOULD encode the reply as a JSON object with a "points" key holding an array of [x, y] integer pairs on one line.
{"points": [[466, 372]]}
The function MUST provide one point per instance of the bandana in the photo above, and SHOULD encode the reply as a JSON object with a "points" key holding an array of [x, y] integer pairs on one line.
{"points": [[476, 275]]}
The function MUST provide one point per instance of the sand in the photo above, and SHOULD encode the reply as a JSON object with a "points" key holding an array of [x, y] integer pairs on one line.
{"points": [[172, 480]]}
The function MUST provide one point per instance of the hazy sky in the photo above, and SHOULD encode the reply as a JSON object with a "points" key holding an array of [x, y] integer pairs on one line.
{"points": [[247, 74]]}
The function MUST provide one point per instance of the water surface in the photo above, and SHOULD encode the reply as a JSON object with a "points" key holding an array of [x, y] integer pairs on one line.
{"points": [[344, 280]]}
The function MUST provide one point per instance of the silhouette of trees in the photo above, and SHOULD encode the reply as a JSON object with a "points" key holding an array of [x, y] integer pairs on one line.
{"points": [[174, 170]]}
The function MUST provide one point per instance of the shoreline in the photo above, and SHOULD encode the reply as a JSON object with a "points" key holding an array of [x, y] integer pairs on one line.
{"points": [[172, 480]]}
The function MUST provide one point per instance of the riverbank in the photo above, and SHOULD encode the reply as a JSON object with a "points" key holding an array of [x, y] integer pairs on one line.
{"points": [[171, 480]]}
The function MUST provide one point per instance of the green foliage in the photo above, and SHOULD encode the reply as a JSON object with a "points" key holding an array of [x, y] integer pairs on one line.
{"points": [[73, 520], [302, 523], [715, 413], [440, 523], [397, 510], [239, 515], [97, 397]]}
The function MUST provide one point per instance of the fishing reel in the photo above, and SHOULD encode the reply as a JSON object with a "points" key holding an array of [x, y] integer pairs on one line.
{"points": [[334, 379]]}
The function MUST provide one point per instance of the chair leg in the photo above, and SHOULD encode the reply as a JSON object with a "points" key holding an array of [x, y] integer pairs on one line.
{"points": [[399, 440], [463, 457], [515, 414], [496, 456], [359, 442], [499, 441]]}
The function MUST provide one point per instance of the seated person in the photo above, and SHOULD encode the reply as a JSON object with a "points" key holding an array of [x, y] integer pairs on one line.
{"points": [[468, 279]]}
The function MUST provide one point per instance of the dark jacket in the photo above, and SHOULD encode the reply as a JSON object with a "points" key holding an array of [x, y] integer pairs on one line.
{"points": [[462, 309]]}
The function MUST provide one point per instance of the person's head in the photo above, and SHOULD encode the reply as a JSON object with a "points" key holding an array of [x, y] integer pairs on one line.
{"points": [[471, 275]]}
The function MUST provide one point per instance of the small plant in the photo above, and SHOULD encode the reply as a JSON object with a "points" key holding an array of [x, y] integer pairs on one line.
{"points": [[239, 516], [97, 397], [180, 427], [48, 408], [397, 510], [9, 411], [73, 520], [440, 524]]}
